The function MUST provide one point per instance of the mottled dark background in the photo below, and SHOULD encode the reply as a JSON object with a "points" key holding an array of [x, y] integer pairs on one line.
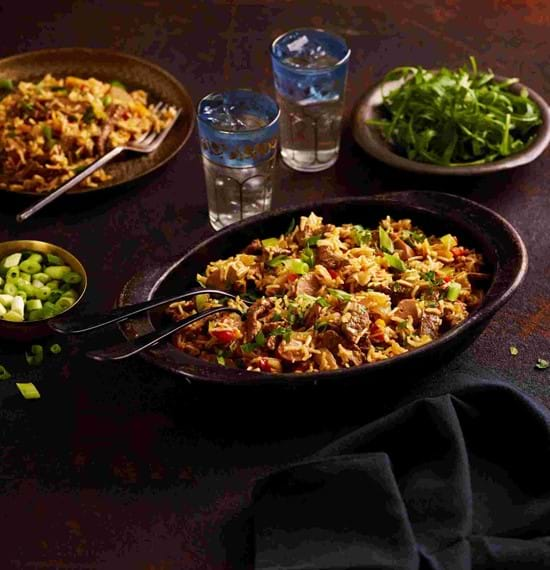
{"points": [[123, 466]]}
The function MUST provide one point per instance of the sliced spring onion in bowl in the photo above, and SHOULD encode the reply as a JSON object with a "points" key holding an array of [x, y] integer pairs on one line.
{"points": [[39, 281]]}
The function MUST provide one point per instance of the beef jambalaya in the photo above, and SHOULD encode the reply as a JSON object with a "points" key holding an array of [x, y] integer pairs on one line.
{"points": [[327, 297]]}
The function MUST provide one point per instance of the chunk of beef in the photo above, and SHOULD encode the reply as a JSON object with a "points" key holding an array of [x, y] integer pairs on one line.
{"points": [[312, 314], [429, 324], [329, 258], [355, 322], [406, 250], [253, 326], [408, 308], [296, 349], [329, 339], [254, 248], [308, 284]]}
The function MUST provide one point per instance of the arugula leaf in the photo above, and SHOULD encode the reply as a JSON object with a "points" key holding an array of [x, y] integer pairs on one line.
{"points": [[456, 117]]}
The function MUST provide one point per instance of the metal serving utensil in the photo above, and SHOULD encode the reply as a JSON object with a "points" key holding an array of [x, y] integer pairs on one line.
{"points": [[77, 325], [129, 348], [147, 143]]}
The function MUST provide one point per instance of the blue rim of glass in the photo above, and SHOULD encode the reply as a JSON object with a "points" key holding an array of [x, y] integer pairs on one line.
{"points": [[339, 63], [255, 129]]}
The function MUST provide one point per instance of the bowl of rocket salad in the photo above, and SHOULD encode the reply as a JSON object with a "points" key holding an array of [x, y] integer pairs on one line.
{"points": [[451, 122]]}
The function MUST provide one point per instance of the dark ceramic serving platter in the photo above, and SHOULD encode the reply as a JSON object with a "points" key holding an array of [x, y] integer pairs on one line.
{"points": [[475, 225], [134, 73], [373, 143]]}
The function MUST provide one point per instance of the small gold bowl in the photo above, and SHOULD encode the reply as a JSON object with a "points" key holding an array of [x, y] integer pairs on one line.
{"points": [[29, 330]]}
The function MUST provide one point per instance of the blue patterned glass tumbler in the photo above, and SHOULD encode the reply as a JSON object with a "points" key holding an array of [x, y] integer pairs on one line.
{"points": [[310, 69], [238, 133]]}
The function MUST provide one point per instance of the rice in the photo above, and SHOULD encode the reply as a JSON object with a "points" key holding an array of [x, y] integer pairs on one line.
{"points": [[331, 297], [53, 129]]}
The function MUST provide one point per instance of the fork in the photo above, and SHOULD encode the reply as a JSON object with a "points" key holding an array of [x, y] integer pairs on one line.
{"points": [[147, 143]]}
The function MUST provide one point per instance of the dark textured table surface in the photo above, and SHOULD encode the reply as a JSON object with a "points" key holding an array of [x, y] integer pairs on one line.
{"points": [[124, 466]]}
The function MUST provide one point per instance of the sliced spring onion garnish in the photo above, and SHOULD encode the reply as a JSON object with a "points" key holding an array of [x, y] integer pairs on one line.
{"points": [[277, 260], [384, 240], [28, 390], [453, 291], [36, 355], [270, 242], [340, 295], [296, 266], [395, 261]]}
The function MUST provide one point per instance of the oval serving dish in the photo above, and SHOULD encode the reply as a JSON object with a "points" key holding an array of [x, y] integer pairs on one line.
{"points": [[372, 141], [476, 226]]}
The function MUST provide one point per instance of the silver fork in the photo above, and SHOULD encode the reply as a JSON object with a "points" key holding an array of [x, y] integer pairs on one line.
{"points": [[147, 143]]}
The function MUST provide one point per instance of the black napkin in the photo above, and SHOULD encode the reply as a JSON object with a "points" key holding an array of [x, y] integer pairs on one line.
{"points": [[455, 481]]}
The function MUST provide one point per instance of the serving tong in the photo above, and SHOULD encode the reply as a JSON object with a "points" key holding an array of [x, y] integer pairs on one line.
{"points": [[78, 325]]}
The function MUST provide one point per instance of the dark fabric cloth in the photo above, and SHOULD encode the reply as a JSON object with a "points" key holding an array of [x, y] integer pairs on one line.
{"points": [[455, 481]]}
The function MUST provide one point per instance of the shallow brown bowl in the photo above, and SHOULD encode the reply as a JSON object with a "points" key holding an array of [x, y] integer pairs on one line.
{"points": [[30, 330], [108, 65], [439, 213], [372, 141]]}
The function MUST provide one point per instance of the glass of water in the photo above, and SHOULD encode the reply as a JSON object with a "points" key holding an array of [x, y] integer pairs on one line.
{"points": [[310, 68], [238, 133]]}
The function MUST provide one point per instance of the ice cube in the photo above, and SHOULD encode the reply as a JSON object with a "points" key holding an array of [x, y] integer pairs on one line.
{"points": [[307, 53], [224, 116]]}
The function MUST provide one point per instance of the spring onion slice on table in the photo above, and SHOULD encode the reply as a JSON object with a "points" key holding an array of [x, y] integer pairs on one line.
{"points": [[28, 390], [456, 118]]}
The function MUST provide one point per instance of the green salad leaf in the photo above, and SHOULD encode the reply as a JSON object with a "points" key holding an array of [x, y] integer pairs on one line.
{"points": [[456, 117]]}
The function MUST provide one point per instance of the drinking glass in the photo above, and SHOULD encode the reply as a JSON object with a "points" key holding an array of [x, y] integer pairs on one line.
{"points": [[310, 69], [238, 133]]}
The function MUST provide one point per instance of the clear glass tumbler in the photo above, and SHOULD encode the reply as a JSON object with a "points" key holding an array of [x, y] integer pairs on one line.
{"points": [[310, 70], [238, 133]]}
